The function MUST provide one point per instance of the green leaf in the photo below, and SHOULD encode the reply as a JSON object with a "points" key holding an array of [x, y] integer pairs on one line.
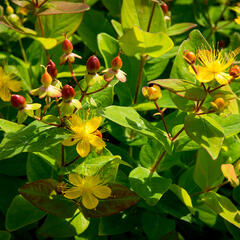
{"points": [[117, 27], [8, 126], [235, 232], [48, 43], [38, 168], [21, 213], [156, 226], [182, 104], [117, 223], [206, 132], [128, 117], [229, 173], [230, 125], [4, 235], [94, 23], [63, 7], [8, 190], [150, 188], [180, 68], [207, 172], [180, 28], [108, 47], [35, 137], [121, 198], [55, 25], [183, 195], [223, 207], [79, 70], [42, 194], [182, 88], [138, 12], [137, 41], [56, 227]]}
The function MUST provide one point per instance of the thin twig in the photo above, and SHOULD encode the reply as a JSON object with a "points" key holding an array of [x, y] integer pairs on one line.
{"points": [[214, 89], [74, 77], [96, 91], [164, 123], [62, 150], [69, 163], [180, 131], [154, 168], [151, 17]]}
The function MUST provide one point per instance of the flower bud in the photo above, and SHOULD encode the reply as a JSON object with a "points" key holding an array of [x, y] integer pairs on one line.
{"points": [[219, 104], [234, 71], [46, 79], [9, 10], [98, 133], [189, 57], [164, 7], [68, 92], [152, 93], [51, 68], [18, 101], [67, 46], [116, 63], [93, 64], [71, 58]]}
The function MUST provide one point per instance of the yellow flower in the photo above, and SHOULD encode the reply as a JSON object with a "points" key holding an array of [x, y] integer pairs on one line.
{"points": [[7, 84], [237, 10], [85, 135], [89, 188], [213, 65]]}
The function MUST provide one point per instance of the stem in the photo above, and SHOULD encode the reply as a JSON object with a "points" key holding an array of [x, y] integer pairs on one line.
{"points": [[62, 150], [201, 103], [139, 80], [43, 35], [153, 169], [164, 123], [210, 189], [194, 69], [151, 17], [211, 111], [74, 77], [214, 89], [100, 89], [51, 124], [42, 3], [180, 131], [143, 58], [25, 60], [74, 160]]}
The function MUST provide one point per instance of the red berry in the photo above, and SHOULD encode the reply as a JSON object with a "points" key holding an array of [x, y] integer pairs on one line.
{"points": [[51, 68], [164, 7], [116, 63], [93, 64], [67, 46], [68, 92], [18, 101], [189, 57]]}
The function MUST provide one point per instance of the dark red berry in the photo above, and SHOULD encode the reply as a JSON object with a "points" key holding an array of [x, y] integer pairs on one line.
{"points": [[68, 92], [93, 64], [51, 68], [18, 101], [164, 7], [116, 63], [67, 46], [234, 71]]}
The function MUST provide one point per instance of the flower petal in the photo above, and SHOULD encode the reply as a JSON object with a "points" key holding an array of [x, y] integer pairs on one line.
{"points": [[21, 116], [5, 94], [223, 78], [204, 75], [96, 141], [33, 106], [72, 193], [76, 103], [70, 141], [83, 148], [89, 201], [53, 92], [93, 124], [121, 76], [75, 179], [102, 192], [14, 85]]}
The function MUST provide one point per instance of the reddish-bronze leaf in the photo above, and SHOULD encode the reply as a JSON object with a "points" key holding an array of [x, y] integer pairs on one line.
{"points": [[42, 195], [121, 199], [63, 7]]}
